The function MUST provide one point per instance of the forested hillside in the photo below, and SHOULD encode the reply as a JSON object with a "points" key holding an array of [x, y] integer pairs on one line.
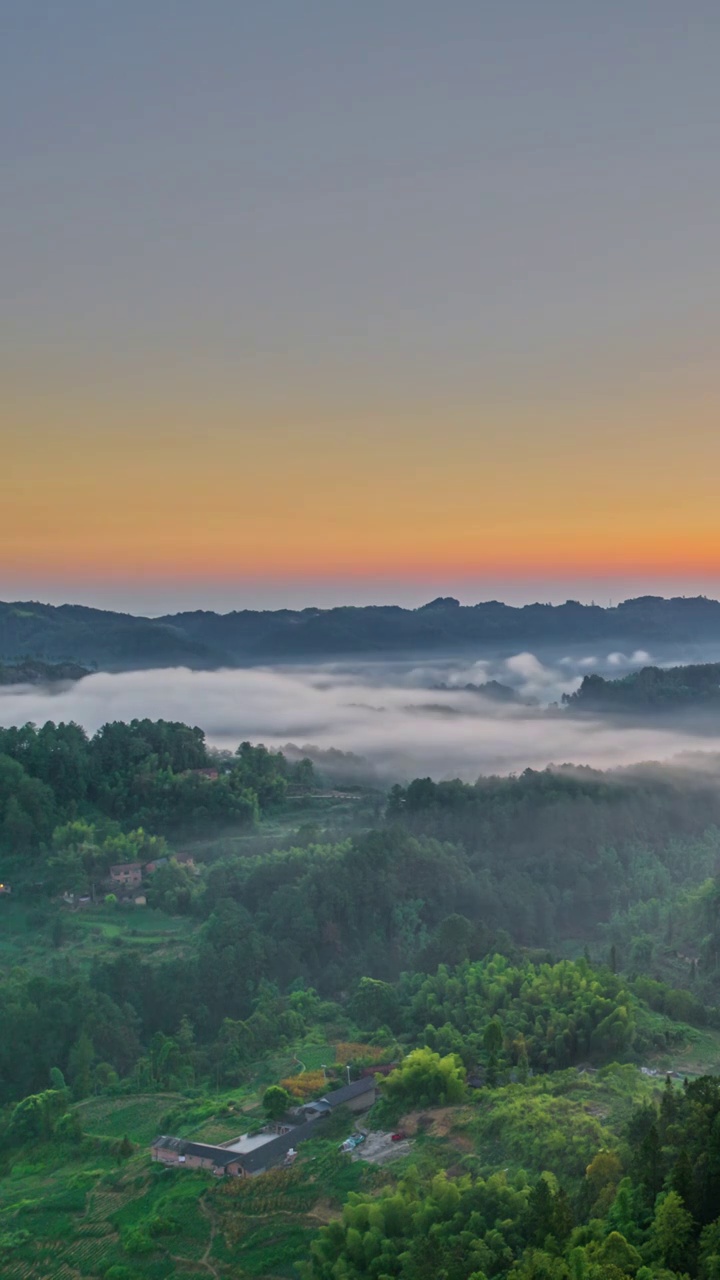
{"points": [[495, 947], [154, 774], [31, 671], [652, 690], [203, 639]]}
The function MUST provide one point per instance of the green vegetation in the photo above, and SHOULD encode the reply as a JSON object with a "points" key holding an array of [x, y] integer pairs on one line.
{"points": [[424, 1079], [156, 775], [654, 690], [508, 953], [204, 639], [33, 672], [276, 1101]]}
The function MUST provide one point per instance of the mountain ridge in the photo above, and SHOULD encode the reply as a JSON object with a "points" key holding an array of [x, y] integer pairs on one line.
{"points": [[204, 639]]}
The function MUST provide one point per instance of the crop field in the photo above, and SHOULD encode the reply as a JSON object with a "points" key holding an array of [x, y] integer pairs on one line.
{"points": [[139, 1116], [315, 1056], [80, 1219], [43, 936], [218, 1128]]}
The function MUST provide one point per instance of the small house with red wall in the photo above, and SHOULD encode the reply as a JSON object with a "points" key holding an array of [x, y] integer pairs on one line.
{"points": [[196, 1155], [127, 873], [153, 866]]}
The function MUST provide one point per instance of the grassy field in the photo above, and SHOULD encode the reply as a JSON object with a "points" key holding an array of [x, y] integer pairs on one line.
{"points": [[140, 1116], [47, 936], [700, 1055]]}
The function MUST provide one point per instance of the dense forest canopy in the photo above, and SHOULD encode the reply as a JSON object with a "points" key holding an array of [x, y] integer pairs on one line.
{"points": [[451, 873], [154, 774], [652, 689]]}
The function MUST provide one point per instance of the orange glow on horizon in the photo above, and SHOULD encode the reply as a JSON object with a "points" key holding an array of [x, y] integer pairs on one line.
{"points": [[139, 488]]}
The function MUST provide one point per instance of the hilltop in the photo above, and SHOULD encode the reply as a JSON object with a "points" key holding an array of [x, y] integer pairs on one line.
{"points": [[203, 639], [651, 691], [33, 671]]}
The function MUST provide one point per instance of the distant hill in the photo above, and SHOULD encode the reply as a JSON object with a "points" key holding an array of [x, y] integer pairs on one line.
{"points": [[492, 689], [97, 637], [651, 690], [33, 671], [203, 639]]}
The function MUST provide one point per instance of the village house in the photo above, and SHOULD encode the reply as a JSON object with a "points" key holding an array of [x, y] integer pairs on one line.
{"points": [[379, 1069], [358, 1096], [127, 873], [258, 1154], [153, 866], [250, 1155], [196, 1155]]}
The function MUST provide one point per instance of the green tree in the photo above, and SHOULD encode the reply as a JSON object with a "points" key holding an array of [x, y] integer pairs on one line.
{"points": [[424, 1079], [82, 1056], [616, 1252], [671, 1231], [276, 1101], [710, 1251], [374, 1004], [492, 1044], [68, 1127], [36, 1116]]}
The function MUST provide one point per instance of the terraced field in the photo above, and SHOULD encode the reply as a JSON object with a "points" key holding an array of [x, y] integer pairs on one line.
{"points": [[140, 1117], [76, 1212]]}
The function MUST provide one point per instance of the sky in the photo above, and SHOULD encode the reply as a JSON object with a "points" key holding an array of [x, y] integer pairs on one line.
{"points": [[320, 302]]}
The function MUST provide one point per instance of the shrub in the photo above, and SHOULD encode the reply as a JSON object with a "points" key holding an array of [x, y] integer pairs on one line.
{"points": [[305, 1084]]}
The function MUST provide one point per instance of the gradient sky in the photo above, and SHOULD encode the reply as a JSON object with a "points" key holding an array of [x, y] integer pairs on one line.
{"points": [[315, 301]]}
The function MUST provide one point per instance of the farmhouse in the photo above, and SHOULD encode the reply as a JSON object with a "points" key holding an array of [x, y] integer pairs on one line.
{"points": [[195, 1155], [358, 1096], [153, 866], [247, 1156], [277, 1150], [129, 873]]}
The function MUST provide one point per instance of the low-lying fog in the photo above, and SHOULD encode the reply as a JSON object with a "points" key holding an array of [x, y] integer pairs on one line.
{"points": [[406, 719]]}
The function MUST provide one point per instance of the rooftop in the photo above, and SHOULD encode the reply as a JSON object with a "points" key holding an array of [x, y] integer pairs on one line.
{"points": [[260, 1157], [336, 1097], [247, 1142], [272, 1152]]}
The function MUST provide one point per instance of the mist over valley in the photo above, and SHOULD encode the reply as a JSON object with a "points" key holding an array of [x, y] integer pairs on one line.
{"points": [[441, 716]]}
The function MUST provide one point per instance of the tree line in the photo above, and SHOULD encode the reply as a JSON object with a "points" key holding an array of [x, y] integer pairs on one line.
{"points": [[158, 775]]}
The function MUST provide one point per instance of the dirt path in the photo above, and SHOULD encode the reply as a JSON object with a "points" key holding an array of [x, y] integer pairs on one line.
{"points": [[204, 1261]]}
